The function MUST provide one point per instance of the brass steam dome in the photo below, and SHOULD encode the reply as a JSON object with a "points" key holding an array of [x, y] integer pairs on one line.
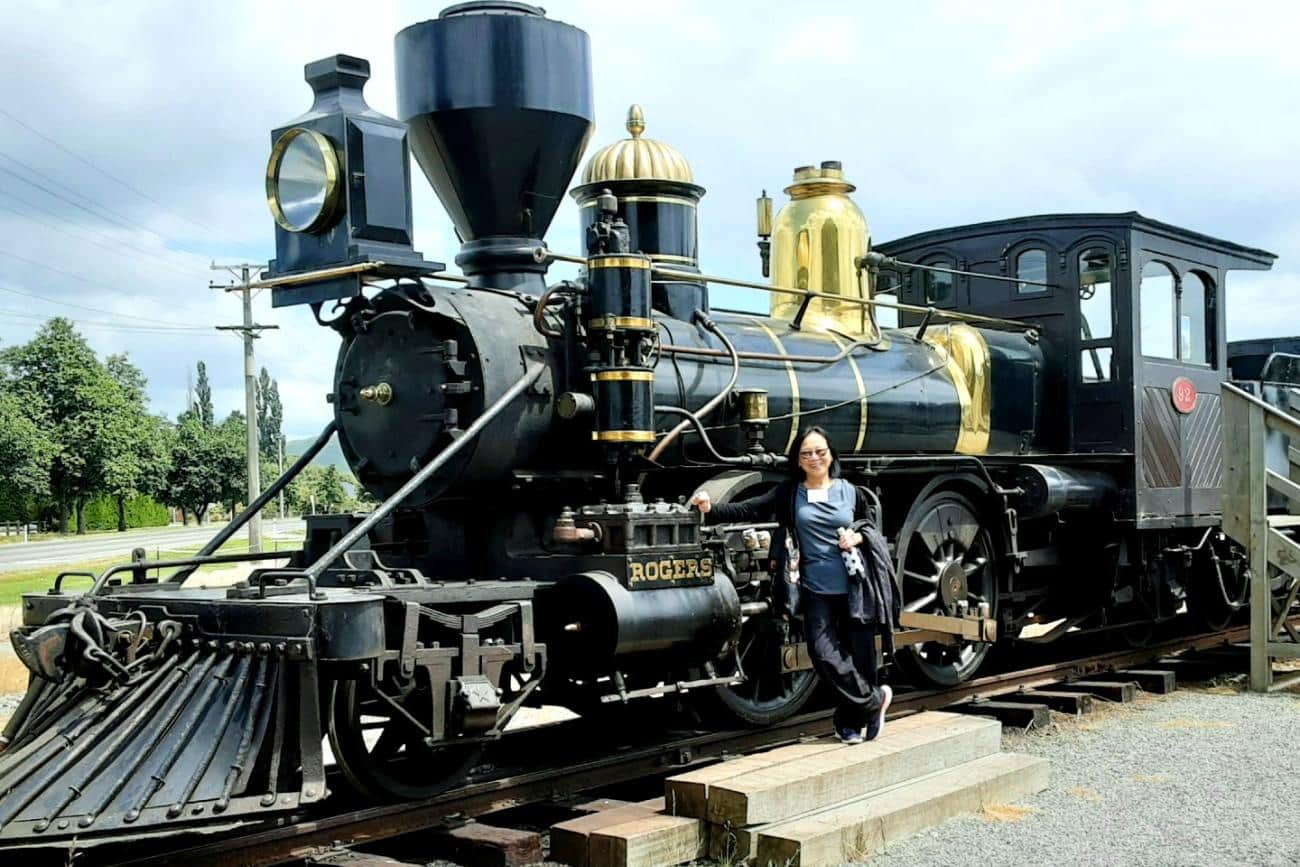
{"points": [[637, 158]]}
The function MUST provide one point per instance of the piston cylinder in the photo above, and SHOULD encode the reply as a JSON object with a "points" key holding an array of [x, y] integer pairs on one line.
{"points": [[608, 621]]}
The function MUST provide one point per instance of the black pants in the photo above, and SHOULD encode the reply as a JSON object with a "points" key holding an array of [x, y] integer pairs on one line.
{"points": [[844, 653]]}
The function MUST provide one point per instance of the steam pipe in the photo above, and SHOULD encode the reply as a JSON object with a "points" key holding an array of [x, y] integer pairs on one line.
{"points": [[711, 327], [541, 254], [764, 459], [270, 493], [327, 559]]}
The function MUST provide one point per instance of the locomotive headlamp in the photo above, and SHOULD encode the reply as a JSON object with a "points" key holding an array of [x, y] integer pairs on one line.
{"points": [[302, 180]]}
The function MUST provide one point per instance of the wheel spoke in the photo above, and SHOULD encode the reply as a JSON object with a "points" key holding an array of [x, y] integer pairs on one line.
{"points": [[975, 565], [918, 604], [932, 580], [388, 745]]}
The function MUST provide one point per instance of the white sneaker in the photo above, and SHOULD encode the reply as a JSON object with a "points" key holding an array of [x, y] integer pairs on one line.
{"points": [[877, 726]]}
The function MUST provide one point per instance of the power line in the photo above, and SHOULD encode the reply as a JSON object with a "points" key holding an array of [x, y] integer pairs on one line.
{"points": [[102, 170], [111, 326], [175, 326], [134, 297], [107, 244], [115, 218]]}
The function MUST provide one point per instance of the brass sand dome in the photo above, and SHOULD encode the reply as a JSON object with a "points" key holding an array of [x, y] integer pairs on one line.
{"points": [[637, 158]]}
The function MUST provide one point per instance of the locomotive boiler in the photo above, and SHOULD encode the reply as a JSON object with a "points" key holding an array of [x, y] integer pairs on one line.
{"points": [[532, 444]]}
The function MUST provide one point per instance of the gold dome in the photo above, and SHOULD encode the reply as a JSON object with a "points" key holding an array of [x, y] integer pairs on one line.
{"points": [[637, 158]]}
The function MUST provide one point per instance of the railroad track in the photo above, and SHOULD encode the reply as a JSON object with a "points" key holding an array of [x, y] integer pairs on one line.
{"points": [[609, 763]]}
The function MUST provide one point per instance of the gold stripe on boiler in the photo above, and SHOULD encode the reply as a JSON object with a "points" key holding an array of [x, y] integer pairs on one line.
{"points": [[615, 323], [624, 436], [663, 200], [862, 392], [619, 262], [623, 376], [794, 385]]}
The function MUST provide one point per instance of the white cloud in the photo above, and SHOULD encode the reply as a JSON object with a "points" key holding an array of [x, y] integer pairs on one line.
{"points": [[942, 113]]}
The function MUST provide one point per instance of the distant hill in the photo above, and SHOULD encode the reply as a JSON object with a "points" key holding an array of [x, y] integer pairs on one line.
{"points": [[331, 454]]}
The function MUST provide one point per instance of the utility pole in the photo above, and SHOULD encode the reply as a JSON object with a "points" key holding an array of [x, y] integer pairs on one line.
{"points": [[250, 332], [279, 447]]}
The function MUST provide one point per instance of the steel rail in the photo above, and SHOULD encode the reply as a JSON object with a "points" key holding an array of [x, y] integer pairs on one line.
{"points": [[300, 839]]}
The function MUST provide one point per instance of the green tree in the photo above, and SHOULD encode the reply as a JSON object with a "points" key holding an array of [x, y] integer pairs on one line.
{"points": [[194, 477], [58, 371], [26, 455], [270, 415], [137, 454], [203, 397], [231, 439]]}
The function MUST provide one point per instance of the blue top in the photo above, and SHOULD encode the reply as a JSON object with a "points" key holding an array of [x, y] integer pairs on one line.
{"points": [[821, 567]]}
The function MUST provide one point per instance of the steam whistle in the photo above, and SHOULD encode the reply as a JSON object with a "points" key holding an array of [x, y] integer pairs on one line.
{"points": [[609, 233], [765, 233]]}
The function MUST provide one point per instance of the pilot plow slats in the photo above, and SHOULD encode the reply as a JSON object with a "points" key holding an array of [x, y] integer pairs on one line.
{"points": [[192, 740]]}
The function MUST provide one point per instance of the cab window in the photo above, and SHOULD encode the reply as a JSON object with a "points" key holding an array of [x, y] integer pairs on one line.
{"points": [[1193, 316], [1094, 294], [1158, 303], [940, 288], [1031, 265]]}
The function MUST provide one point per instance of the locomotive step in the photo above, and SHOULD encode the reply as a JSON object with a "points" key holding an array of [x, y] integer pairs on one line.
{"points": [[909, 747], [865, 827]]}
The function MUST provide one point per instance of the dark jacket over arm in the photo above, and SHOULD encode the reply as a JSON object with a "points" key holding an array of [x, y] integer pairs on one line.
{"points": [[873, 600]]}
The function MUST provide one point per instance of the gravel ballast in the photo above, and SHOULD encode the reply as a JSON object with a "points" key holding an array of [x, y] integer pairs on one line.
{"points": [[1195, 777]]}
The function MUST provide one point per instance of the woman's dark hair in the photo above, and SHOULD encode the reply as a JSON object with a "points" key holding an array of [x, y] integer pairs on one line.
{"points": [[792, 456]]}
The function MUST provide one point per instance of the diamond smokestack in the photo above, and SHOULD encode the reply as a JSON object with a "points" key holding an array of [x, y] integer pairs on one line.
{"points": [[498, 101]]}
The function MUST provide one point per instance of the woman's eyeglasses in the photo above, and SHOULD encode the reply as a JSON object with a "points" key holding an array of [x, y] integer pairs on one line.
{"points": [[814, 453]]}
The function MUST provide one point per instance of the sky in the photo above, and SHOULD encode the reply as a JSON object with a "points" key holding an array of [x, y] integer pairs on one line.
{"points": [[134, 139]]}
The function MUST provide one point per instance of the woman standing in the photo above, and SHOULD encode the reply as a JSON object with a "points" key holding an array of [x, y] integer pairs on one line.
{"points": [[821, 517]]}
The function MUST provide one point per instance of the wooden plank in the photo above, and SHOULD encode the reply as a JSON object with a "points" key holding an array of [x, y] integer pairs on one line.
{"points": [[1019, 715], [1064, 702], [859, 829], [791, 788], [1150, 680], [653, 841], [487, 845], [570, 840], [1284, 486], [1281, 649], [687, 794], [1123, 691]]}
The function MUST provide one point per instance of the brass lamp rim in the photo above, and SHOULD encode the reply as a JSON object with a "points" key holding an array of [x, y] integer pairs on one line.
{"points": [[332, 174]]}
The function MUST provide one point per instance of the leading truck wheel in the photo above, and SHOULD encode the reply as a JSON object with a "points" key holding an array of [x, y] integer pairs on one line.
{"points": [[945, 555], [382, 752], [768, 694]]}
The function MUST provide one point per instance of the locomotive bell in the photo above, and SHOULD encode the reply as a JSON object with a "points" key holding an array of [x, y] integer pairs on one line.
{"points": [[818, 236]]}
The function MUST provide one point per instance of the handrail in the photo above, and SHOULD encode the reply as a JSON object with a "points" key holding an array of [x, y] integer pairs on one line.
{"points": [[1280, 421], [1247, 481], [542, 255]]}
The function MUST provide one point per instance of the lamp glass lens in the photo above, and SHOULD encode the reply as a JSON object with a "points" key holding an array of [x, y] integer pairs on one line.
{"points": [[301, 182]]}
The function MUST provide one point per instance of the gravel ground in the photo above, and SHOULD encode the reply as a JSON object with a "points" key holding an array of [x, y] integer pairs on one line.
{"points": [[1196, 777]]}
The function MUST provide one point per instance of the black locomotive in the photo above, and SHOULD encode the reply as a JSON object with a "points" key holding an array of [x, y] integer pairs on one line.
{"points": [[1040, 432]]}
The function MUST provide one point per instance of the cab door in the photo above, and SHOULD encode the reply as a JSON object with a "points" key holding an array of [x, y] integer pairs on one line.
{"points": [[1179, 444]]}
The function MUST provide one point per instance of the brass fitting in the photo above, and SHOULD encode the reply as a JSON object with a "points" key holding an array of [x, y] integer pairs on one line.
{"points": [[381, 394]]}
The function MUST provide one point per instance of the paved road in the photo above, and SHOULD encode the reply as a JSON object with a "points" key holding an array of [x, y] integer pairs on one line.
{"points": [[17, 556]]}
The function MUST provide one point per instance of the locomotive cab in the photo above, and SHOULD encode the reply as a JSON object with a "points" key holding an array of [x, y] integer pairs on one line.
{"points": [[1133, 311]]}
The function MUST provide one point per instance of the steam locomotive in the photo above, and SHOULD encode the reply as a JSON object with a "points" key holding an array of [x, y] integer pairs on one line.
{"points": [[1039, 432]]}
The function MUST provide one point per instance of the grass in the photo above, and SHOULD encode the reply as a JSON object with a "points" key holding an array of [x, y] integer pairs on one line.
{"points": [[14, 584]]}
